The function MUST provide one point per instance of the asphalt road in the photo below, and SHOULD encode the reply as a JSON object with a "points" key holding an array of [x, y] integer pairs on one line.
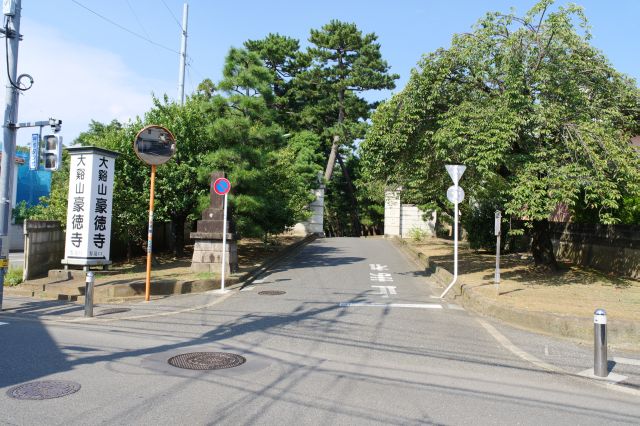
{"points": [[356, 338]]}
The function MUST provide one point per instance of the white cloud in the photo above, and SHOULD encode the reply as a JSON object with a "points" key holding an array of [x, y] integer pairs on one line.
{"points": [[77, 83]]}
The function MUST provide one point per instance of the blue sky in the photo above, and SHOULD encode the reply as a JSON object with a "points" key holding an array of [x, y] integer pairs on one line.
{"points": [[87, 68]]}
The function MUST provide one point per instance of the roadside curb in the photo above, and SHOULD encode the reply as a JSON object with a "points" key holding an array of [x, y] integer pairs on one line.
{"points": [[232, 282], [620, 334], [106, 294]]}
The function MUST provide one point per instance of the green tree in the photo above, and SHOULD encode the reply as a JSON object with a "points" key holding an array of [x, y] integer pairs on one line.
{"points": [[281, 55], [345, 62], [271, 177], [537, 114]]}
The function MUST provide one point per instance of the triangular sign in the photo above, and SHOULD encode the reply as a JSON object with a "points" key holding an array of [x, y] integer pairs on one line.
{"points": [[455, 171]]}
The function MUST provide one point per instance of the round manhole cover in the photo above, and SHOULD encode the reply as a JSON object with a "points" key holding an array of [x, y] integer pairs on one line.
{"points": [[45, 389], [112, 311], [207, 360], [271, 292]]}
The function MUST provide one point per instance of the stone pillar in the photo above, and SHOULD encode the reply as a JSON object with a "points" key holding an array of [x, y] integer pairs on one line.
{"points": [[392, 213], [315, 224], [207, 250]]}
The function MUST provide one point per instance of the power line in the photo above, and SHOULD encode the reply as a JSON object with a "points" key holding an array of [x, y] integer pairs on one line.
{"points": [[148, 40], [174, 16], [133, 12]]}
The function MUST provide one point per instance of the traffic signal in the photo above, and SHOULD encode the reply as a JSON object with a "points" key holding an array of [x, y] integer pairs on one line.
{"points": [[52, 152]]}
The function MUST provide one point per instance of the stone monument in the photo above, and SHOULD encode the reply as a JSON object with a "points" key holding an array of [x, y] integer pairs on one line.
{"points": [[207, 251]]}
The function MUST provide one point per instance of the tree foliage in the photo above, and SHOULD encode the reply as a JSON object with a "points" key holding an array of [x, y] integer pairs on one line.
{"points": [[537, 114]]}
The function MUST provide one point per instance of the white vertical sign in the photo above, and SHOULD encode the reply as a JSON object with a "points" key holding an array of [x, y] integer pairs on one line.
{"points": [[88, 237], [34, 152]]}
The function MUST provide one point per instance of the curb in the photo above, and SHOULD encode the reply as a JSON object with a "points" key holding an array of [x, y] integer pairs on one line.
{"points": [[232, 282], [620, 334], [167, 289]]}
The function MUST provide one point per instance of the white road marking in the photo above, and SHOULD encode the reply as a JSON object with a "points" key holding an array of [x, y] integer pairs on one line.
{"points": [[627, 361], [260, 281], [516, 350], [381, 277], [386, 290], [248, 288], [391, 305], [378, 267], [455, 307], [535, 361], [4, 323]]}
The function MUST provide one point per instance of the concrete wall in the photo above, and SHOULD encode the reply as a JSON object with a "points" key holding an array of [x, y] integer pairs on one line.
{"points": [[401, 219], [43, 247], [16, 237], [609, 248]]}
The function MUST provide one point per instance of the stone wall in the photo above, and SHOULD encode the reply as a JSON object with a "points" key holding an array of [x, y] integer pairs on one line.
{"points": [[609, 248], [43, 247], [403, 219]]}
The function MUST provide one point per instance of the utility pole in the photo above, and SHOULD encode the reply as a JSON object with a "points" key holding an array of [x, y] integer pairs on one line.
{"points": [[183, 53], [11, 9]]}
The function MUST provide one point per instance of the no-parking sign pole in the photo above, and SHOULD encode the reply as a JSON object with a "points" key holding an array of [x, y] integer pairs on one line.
{"points": [[455, 194], [222, 186]]}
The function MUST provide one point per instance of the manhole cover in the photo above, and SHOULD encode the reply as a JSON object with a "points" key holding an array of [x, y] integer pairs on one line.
{"points": [[45, 389], [207, 360], [271, 292], [112, 311]]}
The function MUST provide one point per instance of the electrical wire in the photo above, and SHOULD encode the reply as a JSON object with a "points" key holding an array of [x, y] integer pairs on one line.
{"points": [[133, 12], [174, 16], [6, 50], [148, 40]]}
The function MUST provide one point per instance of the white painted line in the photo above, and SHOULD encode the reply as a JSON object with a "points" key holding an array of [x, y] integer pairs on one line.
{"points": [[385, 290], [381, 277], [516, 350], [627, 361], [611, 378], [218, 291], [248, 288], [455, 307], [391, 305], [609, 384], [4, 323], [378, 267], [260, 281]]}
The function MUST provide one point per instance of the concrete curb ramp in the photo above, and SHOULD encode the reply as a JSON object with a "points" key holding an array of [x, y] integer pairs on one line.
{"points": [[620, 334]]}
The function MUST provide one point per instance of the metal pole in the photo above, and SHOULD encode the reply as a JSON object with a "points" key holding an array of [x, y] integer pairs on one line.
{"points": [[224, 243], [497, 276], [9, 138], [600, 367], [88, 295], [183, 53], [455, 246], [147, 288], [455, 239]]}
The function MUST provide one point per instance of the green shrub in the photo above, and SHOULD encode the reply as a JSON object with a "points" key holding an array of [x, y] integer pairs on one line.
{"points": [[13, 277], [417, 234]]}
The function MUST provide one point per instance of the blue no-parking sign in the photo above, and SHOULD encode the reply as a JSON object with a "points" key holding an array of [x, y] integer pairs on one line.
{"points": [[221, 186]]}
